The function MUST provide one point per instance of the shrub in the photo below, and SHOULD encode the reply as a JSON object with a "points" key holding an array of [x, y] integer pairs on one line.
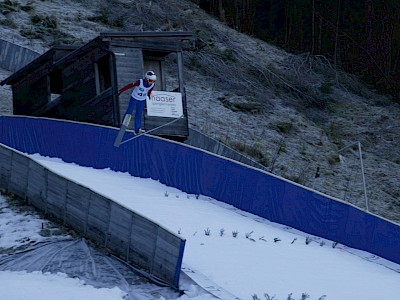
{"points": [[284, 127], [326, 87], [9, 6], [8, 23], [49, 22]]}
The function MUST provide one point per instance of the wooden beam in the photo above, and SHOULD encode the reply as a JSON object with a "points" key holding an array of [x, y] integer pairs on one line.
{"points": [[158, 46], [183, 35]]}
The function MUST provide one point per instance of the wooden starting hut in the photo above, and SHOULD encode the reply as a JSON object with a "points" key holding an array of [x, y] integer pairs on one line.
{"points": [[81, 83]]}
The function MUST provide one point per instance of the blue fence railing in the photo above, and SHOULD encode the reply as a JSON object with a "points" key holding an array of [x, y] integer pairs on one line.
{"points": [[199, 172]]}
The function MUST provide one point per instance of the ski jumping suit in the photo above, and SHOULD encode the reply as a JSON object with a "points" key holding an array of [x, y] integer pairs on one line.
{"points": [[141, 90]]}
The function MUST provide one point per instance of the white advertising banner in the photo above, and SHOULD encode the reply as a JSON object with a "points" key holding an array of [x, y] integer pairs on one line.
{"points": [[165, 104]]}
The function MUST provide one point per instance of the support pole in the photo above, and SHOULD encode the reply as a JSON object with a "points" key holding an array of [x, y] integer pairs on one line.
{"points": [[362, 169], [363, 176]]}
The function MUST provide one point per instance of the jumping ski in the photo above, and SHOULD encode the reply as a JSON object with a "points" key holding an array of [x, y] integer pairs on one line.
{"points": [[118, 140], [122, 130]]}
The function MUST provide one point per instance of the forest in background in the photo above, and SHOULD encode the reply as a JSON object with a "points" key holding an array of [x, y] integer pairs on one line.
{"points": [[361, 37]]}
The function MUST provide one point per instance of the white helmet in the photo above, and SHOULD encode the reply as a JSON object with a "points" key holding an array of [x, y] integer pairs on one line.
{"points": [[150, 76]]}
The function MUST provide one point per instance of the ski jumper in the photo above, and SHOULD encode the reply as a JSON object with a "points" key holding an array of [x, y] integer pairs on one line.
{"points": [[141, 90]]}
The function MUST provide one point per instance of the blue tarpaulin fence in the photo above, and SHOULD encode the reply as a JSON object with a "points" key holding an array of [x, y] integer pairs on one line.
{"points": [[199, 172]]}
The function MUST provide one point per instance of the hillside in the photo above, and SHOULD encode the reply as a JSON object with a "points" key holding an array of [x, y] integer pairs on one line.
{"points": [[291, 113]]}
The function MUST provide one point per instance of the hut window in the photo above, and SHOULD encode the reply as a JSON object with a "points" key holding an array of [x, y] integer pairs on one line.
{"points": [[103, 77], [54, 87]]}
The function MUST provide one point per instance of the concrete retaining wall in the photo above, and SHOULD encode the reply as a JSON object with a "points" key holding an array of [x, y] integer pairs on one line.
{"points": [[127, 234], [14, 57], [202, 141]]}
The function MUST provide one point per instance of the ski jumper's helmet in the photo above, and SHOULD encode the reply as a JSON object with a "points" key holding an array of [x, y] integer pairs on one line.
{"points": [[150, 76]]}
